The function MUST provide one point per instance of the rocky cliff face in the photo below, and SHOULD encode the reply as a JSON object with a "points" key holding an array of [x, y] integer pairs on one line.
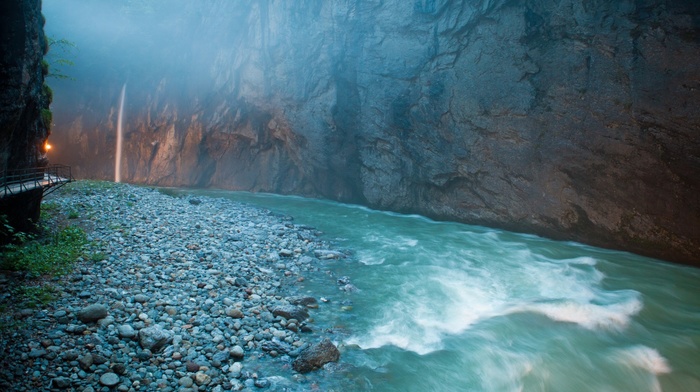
{"points": [[574, 120], [23, 129], [24, 105]]}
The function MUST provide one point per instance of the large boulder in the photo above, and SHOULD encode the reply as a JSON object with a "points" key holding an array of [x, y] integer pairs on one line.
{"points": [[291, 312], [316, 356]]}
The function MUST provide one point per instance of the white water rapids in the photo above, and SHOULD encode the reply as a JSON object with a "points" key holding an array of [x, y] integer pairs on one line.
{"points": [[443, 306]]}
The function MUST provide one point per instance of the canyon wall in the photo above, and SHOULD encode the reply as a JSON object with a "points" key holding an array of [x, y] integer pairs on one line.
{"points": [[24, 107], [23, 129], [573, 120]]}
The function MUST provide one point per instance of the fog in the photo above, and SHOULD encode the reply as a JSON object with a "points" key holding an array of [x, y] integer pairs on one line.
{"points": [[180, 60], [493, 112], [116, 40]]}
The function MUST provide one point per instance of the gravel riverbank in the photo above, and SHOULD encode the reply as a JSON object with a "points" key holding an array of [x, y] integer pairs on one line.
{"points": [[179, 294]]}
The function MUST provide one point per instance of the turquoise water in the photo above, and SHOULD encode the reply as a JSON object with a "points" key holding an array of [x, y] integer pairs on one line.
{"points": [[444, 306]]}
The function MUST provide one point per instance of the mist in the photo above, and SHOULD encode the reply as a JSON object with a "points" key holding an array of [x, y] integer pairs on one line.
{"points": [[569, 120]]}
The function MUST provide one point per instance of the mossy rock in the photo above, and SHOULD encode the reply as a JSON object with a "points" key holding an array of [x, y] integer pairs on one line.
{"points": [[44, 67], [47, 117], [48, 93]]}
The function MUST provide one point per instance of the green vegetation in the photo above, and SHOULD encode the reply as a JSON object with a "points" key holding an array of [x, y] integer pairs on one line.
{"points": [[37, 296], [97, 257], [38, 257], [48, 92], [53, 254], [47, 117], [44, 67], [33, 261], [60, 49]]}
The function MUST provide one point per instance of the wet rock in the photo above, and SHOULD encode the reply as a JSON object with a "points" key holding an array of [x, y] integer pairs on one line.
{"points": [[154, 338], [328, 254], [291, 312], [316, 356], [262, 383], [309, 302], [92, 313]]}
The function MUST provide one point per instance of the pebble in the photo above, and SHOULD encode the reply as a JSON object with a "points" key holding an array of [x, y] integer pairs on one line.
{"points": [[237, 352], [60, 382], [154, 338], [185, 296], [186, 382], [109, 379], [234, 313], [126, 331], [191, 367], [201, 378]]}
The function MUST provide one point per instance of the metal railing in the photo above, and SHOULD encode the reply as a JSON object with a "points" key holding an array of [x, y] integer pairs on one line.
{"points": [[48, 178]]}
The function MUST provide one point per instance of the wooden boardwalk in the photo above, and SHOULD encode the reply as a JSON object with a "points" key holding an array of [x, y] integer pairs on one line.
{"points": [[47, 178]]}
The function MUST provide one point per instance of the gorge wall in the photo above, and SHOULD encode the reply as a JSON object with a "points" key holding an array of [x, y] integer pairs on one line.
{"points": [[573, 120], [23, 96], [24, 105]]}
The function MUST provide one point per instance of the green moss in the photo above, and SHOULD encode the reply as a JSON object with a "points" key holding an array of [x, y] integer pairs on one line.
{"points": [[48, 93], [44, 67], [47, 117]]}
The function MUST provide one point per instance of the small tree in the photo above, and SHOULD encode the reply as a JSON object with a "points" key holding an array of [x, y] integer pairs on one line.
{"points": [[59, 50]]}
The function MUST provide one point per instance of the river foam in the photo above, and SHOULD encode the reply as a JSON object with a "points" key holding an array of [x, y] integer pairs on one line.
{"points": [[444, 306], [449, 294]]}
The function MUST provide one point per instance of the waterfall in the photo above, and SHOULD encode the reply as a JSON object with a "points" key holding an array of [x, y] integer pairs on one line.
{"points": [[118, 155]]}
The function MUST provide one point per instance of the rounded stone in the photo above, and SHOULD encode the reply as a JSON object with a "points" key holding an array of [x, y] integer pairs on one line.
{"points": [[185, 382], [202, 378], [109, 379], [237, 352], [92, 313], [234, 313]]}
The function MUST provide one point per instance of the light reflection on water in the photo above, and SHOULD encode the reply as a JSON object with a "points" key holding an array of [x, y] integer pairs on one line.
{"points": [[449, 307]]}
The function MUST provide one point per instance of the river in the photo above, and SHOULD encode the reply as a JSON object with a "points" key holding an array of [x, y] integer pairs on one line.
{"points": [[443, 306]]}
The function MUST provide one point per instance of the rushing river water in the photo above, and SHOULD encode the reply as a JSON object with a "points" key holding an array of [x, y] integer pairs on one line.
{"points": [[445, 306]]}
